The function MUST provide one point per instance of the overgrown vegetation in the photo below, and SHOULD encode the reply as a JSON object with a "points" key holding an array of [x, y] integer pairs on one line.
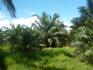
{"points": [[41, 46], [47, 31], [82, 30], [46, 59]]}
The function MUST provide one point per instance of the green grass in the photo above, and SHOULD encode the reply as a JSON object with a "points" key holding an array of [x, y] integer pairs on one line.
{"points": [[47, 59]]}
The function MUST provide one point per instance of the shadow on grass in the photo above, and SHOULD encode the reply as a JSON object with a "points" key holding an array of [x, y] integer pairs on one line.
{"points": [[2, 63]]}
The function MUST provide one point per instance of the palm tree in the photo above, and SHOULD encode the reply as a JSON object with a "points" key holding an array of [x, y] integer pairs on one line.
{"points": [[85, 21], [82, 31], [50, 29], [10, 7], [22, 37], [13, 35]]}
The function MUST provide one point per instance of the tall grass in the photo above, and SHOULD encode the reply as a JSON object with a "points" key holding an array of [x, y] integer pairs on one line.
{"points": [[46, 59]]}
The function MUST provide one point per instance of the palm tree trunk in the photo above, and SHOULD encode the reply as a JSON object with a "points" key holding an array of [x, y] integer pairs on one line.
{"points": [[47, 43], [54, 43]]}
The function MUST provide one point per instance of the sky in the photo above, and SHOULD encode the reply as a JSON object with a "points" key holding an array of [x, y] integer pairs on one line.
{"points": [[67, 9]]}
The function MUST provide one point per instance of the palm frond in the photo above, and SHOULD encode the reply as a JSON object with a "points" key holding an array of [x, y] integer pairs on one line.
{"points": [[10, 7]]}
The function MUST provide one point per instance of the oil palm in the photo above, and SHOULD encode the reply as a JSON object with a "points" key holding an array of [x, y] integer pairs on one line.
{"points": [[83, 31], [50, 29]]}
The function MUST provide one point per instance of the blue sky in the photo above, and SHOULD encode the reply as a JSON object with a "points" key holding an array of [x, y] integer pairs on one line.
{"points": [[65, 8]]}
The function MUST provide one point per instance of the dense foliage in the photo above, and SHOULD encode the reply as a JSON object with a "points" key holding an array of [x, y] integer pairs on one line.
{"points": [[50, 32], [47, 31], [82, 30]]}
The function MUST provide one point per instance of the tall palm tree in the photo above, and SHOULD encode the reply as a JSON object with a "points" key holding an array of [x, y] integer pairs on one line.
{"points": [[10, 6]]}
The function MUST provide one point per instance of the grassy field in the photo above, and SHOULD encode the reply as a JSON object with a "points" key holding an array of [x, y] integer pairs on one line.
{"points": [[47, 59]]}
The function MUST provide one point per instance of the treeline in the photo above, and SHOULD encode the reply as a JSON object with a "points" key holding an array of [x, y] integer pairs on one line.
{"points": [[46, 32]]}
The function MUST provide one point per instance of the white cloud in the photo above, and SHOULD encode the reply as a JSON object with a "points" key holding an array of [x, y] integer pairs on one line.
{"points": [[25, 21], [22, 21], [4, 23], [68, 24]]}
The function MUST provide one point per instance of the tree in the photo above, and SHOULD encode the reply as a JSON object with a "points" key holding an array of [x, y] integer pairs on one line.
{"points": [[22, 37], [13, 35], [50, 29], [10, 7], [82, 31]]}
